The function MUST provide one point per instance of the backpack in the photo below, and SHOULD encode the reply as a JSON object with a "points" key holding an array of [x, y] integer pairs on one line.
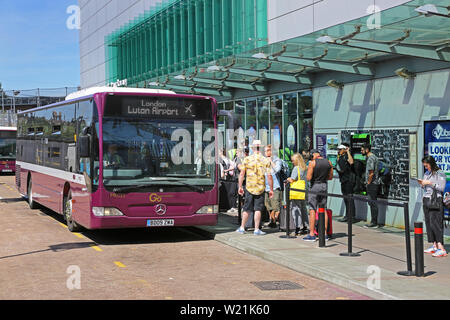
{"points": [[283, 174], [385, 176]]}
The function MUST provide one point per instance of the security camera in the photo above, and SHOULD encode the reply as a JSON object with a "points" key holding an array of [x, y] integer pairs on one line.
{"points": [[335, 84], [405, 73]]}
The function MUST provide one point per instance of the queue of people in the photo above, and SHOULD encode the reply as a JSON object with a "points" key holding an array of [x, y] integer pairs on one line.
{"points": [[259, 179]]}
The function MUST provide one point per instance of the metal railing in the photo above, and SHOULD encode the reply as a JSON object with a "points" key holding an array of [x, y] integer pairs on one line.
{"points": [[10, 99]]}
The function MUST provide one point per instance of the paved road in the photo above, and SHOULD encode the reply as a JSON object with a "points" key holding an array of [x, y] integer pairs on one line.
{"points": [[39, 257]]}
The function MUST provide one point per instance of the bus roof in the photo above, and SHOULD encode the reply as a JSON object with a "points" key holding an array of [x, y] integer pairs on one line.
{"points": [[94, 90]]}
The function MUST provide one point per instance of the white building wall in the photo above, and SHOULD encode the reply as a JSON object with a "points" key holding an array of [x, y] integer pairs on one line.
{"points": [[293, 18], [98, 19]]}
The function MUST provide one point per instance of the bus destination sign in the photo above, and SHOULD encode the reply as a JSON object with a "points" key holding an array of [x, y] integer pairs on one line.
{"points": [[159, 108]]}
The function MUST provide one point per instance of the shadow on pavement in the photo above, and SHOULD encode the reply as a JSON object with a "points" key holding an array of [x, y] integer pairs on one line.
{"points": [[11, 200], [143, 236], [54, 248]]}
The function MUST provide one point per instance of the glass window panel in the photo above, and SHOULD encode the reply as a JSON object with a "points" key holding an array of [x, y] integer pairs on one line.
{"points": [[251, 123], [290, 125], [263, 119], [276, 122]]}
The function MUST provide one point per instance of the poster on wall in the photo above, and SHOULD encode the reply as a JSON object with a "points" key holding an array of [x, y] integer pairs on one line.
{"points": [[332, 148], [321, 144], [437, 144]]}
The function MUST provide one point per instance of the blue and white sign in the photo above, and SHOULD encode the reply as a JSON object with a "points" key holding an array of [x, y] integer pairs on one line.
{"points": [[437, 144]]}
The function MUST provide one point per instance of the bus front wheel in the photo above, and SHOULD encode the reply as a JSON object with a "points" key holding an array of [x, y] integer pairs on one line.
{"points": [[71, 225], [33, 205]]}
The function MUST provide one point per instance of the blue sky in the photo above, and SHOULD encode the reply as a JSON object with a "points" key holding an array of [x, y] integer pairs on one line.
{"points": [[37, 50]]}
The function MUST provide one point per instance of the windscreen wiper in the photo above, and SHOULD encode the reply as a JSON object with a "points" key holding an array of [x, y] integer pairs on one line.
{"points": [[143, 186], [129, 188], [196, 188]]}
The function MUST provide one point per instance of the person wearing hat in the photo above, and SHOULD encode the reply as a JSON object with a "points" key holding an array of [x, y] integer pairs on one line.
{"points": [[320, 171], [254, 169], [346, 177]]}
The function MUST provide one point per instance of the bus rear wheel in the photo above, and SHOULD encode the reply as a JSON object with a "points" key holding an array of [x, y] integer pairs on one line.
{"points": [[71, 225], [33, 205]]}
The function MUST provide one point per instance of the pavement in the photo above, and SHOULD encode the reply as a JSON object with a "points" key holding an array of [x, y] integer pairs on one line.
{"points": [[373, 273], [41, 260]]}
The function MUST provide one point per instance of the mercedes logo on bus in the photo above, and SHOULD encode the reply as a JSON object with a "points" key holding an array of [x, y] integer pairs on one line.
{"points": [[161, 209]]}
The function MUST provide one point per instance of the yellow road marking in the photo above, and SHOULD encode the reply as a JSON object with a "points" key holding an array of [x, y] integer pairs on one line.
{"points": [[79, 235], [169, 298], [62, 225], [119, 264], [96, 248]]}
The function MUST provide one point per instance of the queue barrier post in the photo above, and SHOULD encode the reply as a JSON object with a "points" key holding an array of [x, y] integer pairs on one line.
{"points": [[240, 209], [350, 217], [321, 228], [287, 212], [418, 245], [409, 272]]}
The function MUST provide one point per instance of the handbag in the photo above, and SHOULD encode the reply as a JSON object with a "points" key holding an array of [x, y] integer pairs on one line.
{"points": [[435, 202], [300, 185]]}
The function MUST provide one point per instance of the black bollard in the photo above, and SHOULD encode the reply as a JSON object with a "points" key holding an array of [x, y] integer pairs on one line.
{"points": [[409, 271], [418, 244], [287, 213], [321, 229], [349, 253]]}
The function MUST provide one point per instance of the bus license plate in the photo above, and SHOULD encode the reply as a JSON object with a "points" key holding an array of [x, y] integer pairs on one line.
{"points": [[161, 223], [6, 170]]}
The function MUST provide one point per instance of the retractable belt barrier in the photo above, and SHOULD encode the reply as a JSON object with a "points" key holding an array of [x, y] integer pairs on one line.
{"points": [[403, 205]]}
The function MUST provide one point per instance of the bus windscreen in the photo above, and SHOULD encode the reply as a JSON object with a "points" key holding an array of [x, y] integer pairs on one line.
{"points": [[7, 145], [154, 141]]}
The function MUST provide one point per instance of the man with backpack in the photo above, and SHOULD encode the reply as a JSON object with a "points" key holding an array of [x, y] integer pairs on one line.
{"points": [[273, 205], [372, 183]]}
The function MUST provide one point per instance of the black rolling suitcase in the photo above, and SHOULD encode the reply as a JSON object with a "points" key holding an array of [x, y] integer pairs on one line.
{"points": [[285, 210], [283, 220]]}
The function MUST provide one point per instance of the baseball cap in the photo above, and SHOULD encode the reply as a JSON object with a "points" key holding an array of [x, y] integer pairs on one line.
{"points": [[342, 147], [314, 151], [256, 143]]}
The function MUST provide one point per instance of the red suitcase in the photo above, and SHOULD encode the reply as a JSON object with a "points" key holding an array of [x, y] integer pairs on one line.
{"points": [[330, 223]]}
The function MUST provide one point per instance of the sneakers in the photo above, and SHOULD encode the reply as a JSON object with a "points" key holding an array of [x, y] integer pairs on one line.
{"points": [[310, 238], [233, 211], [440, 253], [344, 219], [372, 226], [241, 230], [431, 249], [259, 233]]}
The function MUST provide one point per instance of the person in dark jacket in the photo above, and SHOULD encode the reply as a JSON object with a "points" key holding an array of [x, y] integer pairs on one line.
{"points": [[346, 177]]}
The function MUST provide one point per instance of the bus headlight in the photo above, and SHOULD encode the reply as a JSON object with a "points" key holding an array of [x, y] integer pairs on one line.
{"points": [[106, 212], [209, 210]]}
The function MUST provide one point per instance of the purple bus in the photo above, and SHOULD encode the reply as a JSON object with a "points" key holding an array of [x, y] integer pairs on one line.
{"points": [[7, 149], [110, 158]]}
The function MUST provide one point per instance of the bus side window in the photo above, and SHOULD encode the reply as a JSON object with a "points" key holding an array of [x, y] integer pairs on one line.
{"points": [[84, 120]]}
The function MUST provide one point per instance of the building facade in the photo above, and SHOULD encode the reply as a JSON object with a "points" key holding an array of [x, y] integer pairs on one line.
{"points": [[297, 73]]}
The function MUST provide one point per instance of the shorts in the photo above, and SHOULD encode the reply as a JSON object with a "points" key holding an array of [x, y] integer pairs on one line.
{"points": [[318, 201], [253, 202], [273, 204]]}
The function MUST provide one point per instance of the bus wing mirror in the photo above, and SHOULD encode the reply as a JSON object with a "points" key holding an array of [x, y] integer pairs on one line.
{"points": [[84, 146], [230, 117]]}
